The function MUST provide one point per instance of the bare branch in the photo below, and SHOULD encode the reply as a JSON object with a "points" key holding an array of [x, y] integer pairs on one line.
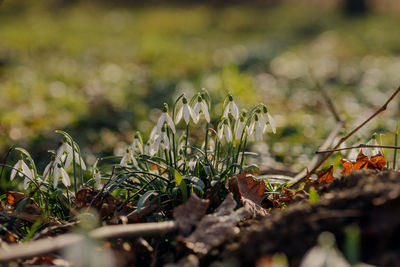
{"points": [[355, 147]]}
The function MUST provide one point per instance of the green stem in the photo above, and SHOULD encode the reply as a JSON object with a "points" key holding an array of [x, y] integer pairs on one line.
{"points": [[244, 148], [395, 144], [73, 163]]}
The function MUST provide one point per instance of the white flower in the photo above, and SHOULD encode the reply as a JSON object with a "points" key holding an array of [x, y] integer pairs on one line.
{"points": [[165, 118], [232, 108], [136, 144], [200, 106], [225, 131], [65, 150], [97, 176], [128, 158], [23, 171], [258, 126], [48, 170], [211, 144], [186, 111], [239, 128], [153, 134], [373, 150], [272, 123], [162, 140], [60, 172]]}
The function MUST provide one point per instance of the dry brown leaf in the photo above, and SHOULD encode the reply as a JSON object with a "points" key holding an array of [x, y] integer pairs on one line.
{"points": [[189, 214], [215, 228], [326, 176], [376, 162]]}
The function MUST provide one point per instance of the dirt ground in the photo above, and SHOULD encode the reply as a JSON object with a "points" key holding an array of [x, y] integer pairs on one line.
{"points": [[367, 199]]}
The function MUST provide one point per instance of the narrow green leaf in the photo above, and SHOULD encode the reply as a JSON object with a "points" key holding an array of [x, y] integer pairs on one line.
{"points": [[313, 196], [143, 199], [178, 177]]}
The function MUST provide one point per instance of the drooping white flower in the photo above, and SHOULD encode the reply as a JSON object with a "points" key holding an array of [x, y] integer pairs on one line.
{"points": [[272, 123], [185, 111], [224, 131], [239, 128], [259, 128], [59, 172], [23, 170], [200, 106], [165, 118], [211, 144], [65, 151], [137, 144], [128, 158], [232, 107], [373, 150], [161, 140], [48, 169], [97, 176]]}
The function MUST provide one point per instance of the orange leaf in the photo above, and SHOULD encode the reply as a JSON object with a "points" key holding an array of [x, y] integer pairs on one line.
{"points": [[378, 161], [347, 166], [244, 186], [361, 162], [326, 176]]}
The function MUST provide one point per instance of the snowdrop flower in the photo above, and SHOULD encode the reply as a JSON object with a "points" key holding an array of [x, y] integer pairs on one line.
{"points": [[200, 106], [137, 144], [23, 171], [259, 128], [211, 144], [264, 121], [186, 111], [128, 158], [165, 118], [97, 176], [239, 126], [373, 150], [224, 131], [65, 150], [59, 172], [231, 106], [161, 139], [48, 169]]}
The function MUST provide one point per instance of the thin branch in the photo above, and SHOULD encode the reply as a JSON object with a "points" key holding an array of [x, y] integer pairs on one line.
{"points": [[355, 147], [381, 109], [49, 245], [326, 97]]}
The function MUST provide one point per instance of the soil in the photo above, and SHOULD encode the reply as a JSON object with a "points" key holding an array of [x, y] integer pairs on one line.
{"points": [[368, 199]]}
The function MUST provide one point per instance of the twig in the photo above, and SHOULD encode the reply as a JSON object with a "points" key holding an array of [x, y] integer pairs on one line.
{"points": [[355, 147], [381, 109], [326, 97], [49, 245]]}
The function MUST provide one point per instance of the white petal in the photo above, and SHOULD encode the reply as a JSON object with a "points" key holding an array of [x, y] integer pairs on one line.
{"points": [[263, 122], [56, 176], [196, 111], [226, 111], [26, 183], [234, 110], [187, 113], [250, 129], [16, 167], [124, 160], [259, 131], [272, 123], [68, 161], [228, 133], [26, 170], [221, 133], [205, 111], [97, 177], [239, 129], [65, 177], [170, 123], [161, 121], [154, 133], [166, 141], [178, 116], [47, 171]]}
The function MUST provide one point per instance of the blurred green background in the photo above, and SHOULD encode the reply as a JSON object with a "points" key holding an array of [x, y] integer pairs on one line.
{"points": [[100, 71]]}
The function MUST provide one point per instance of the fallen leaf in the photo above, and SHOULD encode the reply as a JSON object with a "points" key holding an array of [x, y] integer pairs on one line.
{"points": [[13, 198], [214, 229], [326, 176], [378, 161], [188, 215]]}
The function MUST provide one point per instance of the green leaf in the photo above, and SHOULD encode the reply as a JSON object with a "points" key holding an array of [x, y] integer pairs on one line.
{"points": [[313, 196], [178, 178], [143, 199]]}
